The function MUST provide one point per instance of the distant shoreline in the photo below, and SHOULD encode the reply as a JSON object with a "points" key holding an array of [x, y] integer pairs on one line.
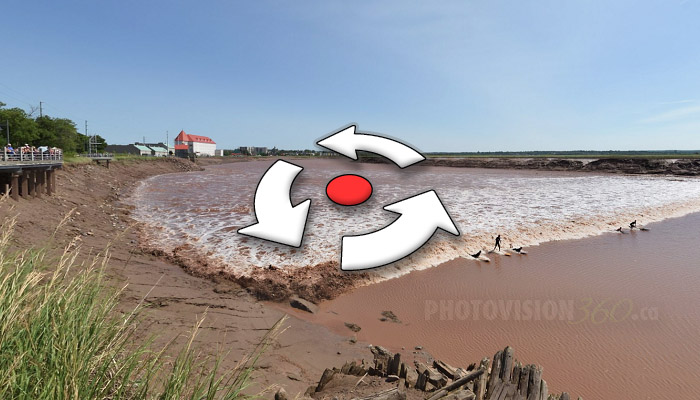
{"points": [[636, 165]]}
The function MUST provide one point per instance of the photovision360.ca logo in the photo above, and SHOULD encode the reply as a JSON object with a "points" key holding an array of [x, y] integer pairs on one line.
{"points": [[585, 310]]}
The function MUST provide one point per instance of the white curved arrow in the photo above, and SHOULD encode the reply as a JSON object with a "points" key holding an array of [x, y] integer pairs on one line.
{"points": [[278, 220], [347, 143], [421, 216]]}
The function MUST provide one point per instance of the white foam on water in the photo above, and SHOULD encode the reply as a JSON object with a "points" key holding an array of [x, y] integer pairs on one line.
{"points": [[204, 209]]}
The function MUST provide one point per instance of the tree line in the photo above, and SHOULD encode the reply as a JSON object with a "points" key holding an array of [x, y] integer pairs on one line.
{"points": [[43, 131]]}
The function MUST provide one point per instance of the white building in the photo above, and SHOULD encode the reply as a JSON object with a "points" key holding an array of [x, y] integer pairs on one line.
{"points": [[199, 145], [254, 151]]}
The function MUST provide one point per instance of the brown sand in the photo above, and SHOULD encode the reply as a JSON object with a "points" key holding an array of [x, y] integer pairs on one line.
{"points": [[235, 321], [652, 351]]}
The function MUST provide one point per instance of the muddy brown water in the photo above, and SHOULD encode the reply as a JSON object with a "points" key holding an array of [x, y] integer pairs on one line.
{"points": [[554, 307]]}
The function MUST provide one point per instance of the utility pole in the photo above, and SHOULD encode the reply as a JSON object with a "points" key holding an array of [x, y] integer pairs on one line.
{"points": [[41, 109], [88, 137], [7, 126]]}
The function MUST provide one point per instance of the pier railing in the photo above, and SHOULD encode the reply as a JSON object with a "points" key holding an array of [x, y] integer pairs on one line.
{"points": [[97, 155], [29, 156]]}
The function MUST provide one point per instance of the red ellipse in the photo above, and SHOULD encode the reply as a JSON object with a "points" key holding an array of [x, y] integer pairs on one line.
{"points": [[349, 190]]}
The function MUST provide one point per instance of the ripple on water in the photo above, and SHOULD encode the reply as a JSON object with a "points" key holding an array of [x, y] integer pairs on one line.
{"points": [[525, 207]]}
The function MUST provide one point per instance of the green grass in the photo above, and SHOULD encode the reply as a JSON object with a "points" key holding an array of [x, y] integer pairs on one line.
{"points": [[61, 337], [72, 158], [76, 159], [120, 156]]}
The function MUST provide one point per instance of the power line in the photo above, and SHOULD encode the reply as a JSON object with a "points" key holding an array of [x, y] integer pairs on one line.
{"points": [[32, 106], [18, 93], [16, 99]]}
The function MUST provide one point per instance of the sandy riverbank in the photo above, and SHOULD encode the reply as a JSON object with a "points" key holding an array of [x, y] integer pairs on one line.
{"points": [[174, 299]]}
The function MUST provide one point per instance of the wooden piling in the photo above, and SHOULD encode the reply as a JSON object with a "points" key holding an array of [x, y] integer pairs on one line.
{"points": [[507, 368], [494, 378], [14, 187], [524, 380], [49, 185], [481, 383], [32, 183], [39, 174], [24, 186], [535, 383]]}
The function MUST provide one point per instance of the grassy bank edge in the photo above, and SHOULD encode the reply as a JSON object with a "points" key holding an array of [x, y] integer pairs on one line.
{"points": [[61, 337]]}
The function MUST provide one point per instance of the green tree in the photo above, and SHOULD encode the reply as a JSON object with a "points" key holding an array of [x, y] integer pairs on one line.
{"points": [[58, 132], [44, 131], [23, 128]]}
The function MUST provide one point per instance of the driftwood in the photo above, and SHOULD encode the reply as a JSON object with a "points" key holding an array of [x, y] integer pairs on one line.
{"points": [[382, 360], [445, 369], [533, 392], [502, 390], [361, 379], [394, 365], [506, 379], [507, 367], [422, 381], [347, 367], [544, 391], [434, 376], [325, 378], [460, 395], [457, 384], [481, 383], [410, 374], [524, 380], [516, 373], [391, 394], [495, 372], [402, 388]]}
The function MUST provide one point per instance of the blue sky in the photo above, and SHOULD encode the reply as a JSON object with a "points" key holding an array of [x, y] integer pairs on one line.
{"points": [[443, 76]]}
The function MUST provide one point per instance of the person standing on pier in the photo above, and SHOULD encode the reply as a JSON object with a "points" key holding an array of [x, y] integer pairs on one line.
{"points": [[498, 243]]}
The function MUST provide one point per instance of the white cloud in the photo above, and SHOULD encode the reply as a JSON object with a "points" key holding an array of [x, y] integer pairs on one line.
{"points": [[673, 115]]}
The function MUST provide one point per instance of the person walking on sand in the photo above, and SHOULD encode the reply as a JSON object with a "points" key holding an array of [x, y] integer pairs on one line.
{"points": [[498, 243]]}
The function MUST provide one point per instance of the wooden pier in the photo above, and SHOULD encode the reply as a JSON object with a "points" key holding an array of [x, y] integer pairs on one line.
{"points": [[99, 158], [29, 175]]}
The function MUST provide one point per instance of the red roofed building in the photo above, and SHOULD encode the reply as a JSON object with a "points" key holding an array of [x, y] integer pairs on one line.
{"points": [[199, 145]]}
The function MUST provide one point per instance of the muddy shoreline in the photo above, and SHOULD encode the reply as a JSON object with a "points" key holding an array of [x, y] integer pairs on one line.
{"points": [[314, 283], [173, 300], [636, 166]]}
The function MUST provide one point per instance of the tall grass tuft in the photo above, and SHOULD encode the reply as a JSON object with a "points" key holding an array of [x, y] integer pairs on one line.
{"points": [[61, 337]]}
